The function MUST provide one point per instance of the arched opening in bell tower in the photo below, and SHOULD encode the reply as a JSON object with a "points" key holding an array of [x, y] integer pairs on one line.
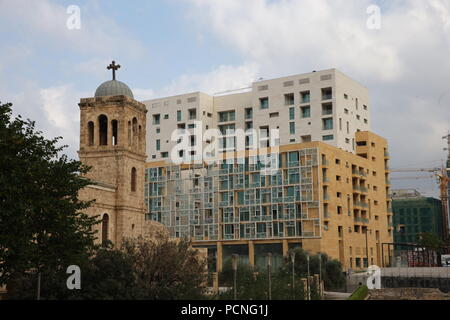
{"points": [[135, 131], [90, 133], [114, 126], [103, 129]]}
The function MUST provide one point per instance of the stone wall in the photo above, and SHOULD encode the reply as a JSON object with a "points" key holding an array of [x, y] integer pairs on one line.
{"points": [[408, 294]]}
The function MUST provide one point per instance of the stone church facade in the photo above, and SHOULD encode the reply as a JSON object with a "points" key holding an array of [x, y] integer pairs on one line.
{"points": [[112, 143]]}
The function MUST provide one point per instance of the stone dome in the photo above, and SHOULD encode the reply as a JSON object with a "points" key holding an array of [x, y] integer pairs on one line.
{"points": [[113, 88]]}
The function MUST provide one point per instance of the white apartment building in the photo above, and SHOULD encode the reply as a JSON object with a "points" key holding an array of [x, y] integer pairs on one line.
{"points": [[323, 106]]}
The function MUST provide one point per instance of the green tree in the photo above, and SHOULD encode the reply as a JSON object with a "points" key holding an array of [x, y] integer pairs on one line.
{"points": [[166, 269], [430, 240], [43, 227], [331, 270]]}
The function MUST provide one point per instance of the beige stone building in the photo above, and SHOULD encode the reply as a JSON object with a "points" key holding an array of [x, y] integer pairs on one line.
{"points": [[112, 142]]}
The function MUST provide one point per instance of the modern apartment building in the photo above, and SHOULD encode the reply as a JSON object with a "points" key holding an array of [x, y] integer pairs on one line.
{"points": [[323, 106], [328, 192]]}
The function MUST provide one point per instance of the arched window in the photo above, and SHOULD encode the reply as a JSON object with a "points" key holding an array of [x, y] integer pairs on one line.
{"points": [[129, 133], [103, 129], [114, 126], [105, 226], [135, 131], [90, 133], [133, 179], [140, 136]]}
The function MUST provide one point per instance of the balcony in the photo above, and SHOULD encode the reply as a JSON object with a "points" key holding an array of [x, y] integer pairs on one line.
{"points": [[224, 203]]}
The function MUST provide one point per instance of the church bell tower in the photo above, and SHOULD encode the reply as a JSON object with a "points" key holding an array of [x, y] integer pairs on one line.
{"points": [[112, 142]]}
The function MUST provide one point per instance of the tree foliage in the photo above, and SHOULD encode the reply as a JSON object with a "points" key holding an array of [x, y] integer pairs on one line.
{"points": [[42, 223], [162, 269], [252, 283], [431, 241]]}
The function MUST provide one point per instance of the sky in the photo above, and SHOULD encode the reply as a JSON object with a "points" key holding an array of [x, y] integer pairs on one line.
{"points": [[177, 46]]}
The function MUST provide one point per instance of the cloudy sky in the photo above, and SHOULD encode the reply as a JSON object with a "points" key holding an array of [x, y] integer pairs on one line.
{"points": [[175, 46]]}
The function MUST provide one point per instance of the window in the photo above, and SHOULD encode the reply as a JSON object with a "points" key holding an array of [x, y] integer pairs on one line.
{"points": [[165, 155], [166, 116], [158, 145], [292, 113], [306, 139], [156, 119], [292, 127], [191, 126], [179, 115], [158, 130], [105, 227], [346, 111], [327, 124], [305, 112], [227, 116], [114, 132], [192, 141], [305, 97], [327, 94], [328, 137], [192, 114], [264, 103], [135, 131], [365, 107], [227, 129], [274, 115], [133, 179], [345, 96], [129, 133], [103, 130], [90, 133], [248, 113], [248, 125], [327, 109], [289, 99]]}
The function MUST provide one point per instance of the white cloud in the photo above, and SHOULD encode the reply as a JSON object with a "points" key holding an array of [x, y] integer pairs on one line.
{"points": [[46, 22], [219, 79]]}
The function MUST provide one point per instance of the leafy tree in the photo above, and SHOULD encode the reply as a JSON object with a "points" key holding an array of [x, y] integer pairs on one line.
{"points": [[331, 270], [162, 269], [166, 269], [430, 240], [43, 227]]}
